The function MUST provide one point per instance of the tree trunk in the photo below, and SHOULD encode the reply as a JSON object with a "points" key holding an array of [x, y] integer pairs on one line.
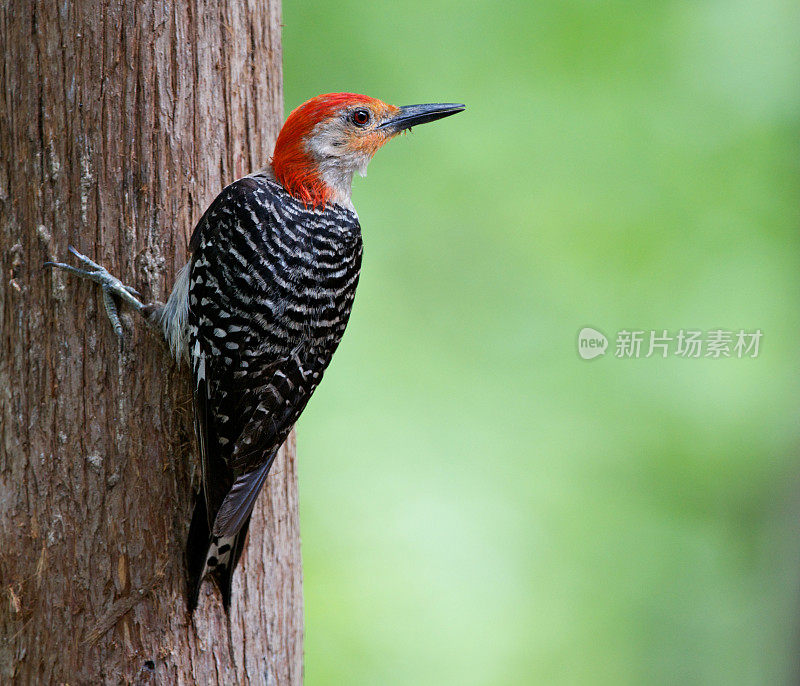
{"points": [[119, 124]]}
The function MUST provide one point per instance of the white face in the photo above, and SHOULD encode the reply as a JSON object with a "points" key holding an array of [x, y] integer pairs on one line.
{"points": [[346, 142]]}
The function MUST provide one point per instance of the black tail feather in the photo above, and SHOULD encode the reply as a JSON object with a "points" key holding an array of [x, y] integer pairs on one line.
{"points": [[197, 546], [197, 549], [223, 574]]}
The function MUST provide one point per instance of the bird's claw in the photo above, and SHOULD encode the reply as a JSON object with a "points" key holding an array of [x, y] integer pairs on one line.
{"points": [[110, 285]]}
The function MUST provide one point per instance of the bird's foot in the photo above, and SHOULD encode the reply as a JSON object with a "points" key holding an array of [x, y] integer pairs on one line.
{"points": [[111, 287]]}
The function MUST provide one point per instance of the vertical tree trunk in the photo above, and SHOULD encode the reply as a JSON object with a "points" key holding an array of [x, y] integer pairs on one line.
{"points": [[120, 122]]}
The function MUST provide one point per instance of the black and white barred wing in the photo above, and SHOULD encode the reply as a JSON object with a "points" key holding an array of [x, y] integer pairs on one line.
{"points": [[246, 324], [266, 404]]}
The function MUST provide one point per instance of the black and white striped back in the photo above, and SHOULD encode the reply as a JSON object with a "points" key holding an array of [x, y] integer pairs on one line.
{"points": [[268, 294]]}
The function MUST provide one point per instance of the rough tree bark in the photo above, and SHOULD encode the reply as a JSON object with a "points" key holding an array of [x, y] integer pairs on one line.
{"points": [[120, 122]]}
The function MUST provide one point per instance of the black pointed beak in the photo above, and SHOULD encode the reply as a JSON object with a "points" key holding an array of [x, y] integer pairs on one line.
{"points": [[412, 115]]}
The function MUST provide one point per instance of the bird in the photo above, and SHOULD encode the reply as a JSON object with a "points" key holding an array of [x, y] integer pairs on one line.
{"points": [[261, 306]]}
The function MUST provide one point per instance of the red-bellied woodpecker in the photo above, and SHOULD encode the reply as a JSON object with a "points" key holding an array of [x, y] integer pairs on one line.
{"points": [[262, 305]]}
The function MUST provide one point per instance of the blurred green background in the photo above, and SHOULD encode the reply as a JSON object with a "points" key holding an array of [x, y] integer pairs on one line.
{"points": [[481, 506]]}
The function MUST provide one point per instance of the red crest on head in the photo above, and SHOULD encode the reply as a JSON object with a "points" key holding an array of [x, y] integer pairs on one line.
{"points": [[291, 163]]}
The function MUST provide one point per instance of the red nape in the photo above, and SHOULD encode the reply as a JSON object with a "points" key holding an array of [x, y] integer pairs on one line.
{"points": [[293, 166]]}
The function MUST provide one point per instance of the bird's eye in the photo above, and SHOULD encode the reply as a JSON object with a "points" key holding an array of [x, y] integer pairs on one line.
{"points": [[360, 117]]}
